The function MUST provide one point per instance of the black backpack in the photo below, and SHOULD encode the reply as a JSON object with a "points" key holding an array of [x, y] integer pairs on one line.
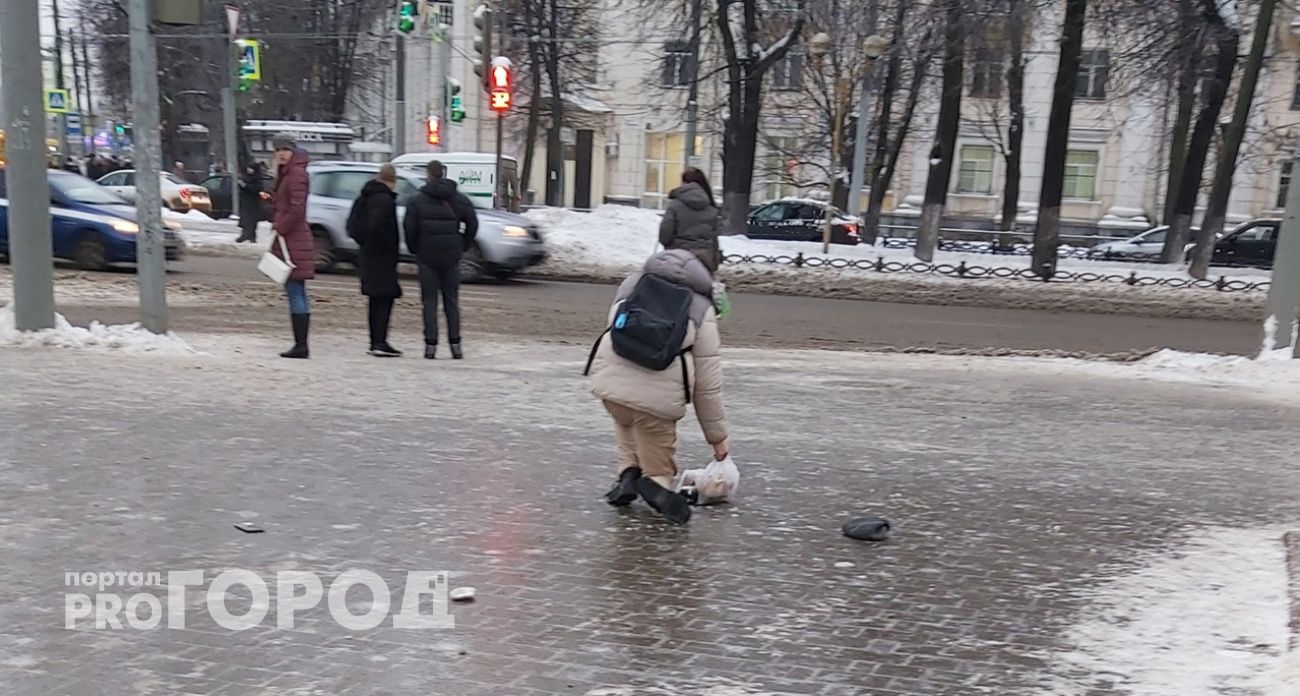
{"points": [[650, 326]]}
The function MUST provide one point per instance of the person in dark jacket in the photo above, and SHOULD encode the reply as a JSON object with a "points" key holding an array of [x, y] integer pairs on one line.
{"points": [[289, 218], [691, 221], [250, 202], [373, 224], [434, 234]]}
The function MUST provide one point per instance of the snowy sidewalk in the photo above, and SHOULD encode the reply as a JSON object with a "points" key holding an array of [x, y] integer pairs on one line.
{"points": [[1060, 528]]}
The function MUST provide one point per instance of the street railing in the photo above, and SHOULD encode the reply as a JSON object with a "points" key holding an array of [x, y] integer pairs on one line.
{"points": [[967, 271]]}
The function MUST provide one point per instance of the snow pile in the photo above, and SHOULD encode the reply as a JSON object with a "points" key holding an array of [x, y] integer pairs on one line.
{"points": [[616, 239], [1276, 368], [128, 338], [1287, 678], [1211, 618]]}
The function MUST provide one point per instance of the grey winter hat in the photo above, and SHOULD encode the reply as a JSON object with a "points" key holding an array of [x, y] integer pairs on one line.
{"points": [[283, 141]]}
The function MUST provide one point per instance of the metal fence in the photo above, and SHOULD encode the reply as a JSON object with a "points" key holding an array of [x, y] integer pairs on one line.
{"points": [[964, 270]]}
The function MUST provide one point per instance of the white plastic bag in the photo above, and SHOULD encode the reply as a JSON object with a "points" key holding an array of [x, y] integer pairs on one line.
{"points": [[715, 483]]}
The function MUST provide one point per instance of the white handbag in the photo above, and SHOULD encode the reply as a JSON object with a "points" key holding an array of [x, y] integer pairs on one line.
{"points": [[276, 268]]}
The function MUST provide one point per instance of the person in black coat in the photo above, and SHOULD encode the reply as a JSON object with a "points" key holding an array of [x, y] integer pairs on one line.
{"points": [[433, 225], [250, 202], [373, 224]]}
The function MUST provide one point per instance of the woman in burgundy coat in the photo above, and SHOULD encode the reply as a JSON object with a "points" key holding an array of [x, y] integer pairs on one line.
{"points": [[289, 219]]}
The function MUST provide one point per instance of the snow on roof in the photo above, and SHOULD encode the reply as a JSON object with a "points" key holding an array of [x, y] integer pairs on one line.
{"points": [[588, 104], [299, 126]]}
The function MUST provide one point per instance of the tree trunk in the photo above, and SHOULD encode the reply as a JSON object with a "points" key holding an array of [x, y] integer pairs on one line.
{"points": [[535, 68], [1198, 149], [1047, 234], [739, 149], [942, 155], [878, 183], [1188, 23], [1016, 128], [1217, 210], [554, 143]]}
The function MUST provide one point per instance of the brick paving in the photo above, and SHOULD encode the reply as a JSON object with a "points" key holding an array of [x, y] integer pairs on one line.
{"points": [[1014, 495]]}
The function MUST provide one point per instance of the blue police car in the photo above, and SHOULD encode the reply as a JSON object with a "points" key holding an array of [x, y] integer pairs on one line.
{"points": [[92, 226]]}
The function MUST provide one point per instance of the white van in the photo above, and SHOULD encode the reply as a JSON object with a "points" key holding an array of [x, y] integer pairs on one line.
{"points": [[474, 174]]}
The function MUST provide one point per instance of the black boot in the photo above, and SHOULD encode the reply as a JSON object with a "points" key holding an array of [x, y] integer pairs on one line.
{"points": [[624, 490], [673, 506], [455, 352], [430, 352], [301, 327]]}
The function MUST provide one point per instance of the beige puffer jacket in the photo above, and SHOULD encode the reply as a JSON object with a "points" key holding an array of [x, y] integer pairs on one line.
{"points": [[661, 393]]}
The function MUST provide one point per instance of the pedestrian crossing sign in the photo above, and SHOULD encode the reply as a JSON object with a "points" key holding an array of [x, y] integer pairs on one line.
{"points": [[250, 60], [56, 101]]}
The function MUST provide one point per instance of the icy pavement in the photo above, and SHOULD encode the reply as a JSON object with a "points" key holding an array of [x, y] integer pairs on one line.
{"points": [[1058, 530]]}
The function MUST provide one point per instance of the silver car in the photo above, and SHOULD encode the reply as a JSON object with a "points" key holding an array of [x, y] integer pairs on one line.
{"points": [[506, 243]]}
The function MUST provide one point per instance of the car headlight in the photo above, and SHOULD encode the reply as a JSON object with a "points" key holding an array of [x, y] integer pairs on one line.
{"points": [[126, 226], [514, 231]]}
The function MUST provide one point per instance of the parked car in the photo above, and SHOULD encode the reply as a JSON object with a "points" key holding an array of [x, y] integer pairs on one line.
{"points": [[801, 220], [506, 243], [1251, 244], [90, 225], [220, 191], [178, 194], [1144, 246]]}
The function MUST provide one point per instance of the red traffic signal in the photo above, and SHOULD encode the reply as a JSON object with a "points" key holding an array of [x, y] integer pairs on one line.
{"points": [[499, 80], [433, 130], [500, 77]]}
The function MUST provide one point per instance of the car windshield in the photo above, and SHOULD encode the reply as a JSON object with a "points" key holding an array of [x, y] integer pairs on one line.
{"points": [[175, 179], [82, 190]]}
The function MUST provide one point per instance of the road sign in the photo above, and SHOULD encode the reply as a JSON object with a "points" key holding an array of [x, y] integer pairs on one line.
{"points": [[250, 59], [56, 101], [74, 124]]}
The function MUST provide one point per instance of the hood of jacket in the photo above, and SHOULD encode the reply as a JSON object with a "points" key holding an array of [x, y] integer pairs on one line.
{"points": [[682, 267], [443, 189], [375, 187], [692, 195], [298, 160]]}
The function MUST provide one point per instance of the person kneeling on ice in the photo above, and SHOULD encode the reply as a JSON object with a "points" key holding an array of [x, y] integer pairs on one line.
{"points": [[661, 353]]}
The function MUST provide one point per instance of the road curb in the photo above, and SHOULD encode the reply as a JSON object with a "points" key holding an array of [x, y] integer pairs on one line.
{"points": [[1291, 544]]}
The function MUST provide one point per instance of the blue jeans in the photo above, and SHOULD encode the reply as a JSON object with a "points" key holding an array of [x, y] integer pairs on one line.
{"points": [[297, 292]]}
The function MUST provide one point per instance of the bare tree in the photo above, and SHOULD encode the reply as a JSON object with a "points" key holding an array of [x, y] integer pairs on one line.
{"points": [[740, 24], [942, 154], [1047, 235], [1217, 209]]}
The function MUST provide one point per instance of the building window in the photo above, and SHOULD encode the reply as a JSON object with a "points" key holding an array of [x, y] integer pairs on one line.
{"points": [[975, 174], [676, 70], [1284, 184], [987, 69], [1081, 175], [1094, 71], [779, 168], [787, 73], [665, 156], [1295, 96]]}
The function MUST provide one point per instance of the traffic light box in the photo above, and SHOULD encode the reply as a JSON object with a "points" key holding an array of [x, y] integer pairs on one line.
{"points": [[433, 130], [500, 85], [455, 104], [407, 13]]}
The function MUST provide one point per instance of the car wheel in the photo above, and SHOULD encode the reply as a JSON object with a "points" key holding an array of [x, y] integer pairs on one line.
{"points": [[90, 254], [472, 265], [323, 251], [503, 274]]}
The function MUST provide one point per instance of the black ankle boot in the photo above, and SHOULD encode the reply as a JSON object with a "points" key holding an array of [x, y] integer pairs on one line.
{"points": [[673, 506], [455, 352], [430, 352], [624, 490], [301, 327]]}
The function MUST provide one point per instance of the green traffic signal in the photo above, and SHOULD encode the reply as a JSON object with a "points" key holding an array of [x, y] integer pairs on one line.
{"points": [[406, 15]]}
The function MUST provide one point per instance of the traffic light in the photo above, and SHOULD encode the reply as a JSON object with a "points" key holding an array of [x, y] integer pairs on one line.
{"points": [[499, 85], [456, 105], [433, 130], [482, 41], [407, 12]]}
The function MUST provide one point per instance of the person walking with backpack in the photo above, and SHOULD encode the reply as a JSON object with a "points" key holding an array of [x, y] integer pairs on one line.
{"points": [[373, 224], [661, 353], [434, 234], [691, 221], [289, 220]]}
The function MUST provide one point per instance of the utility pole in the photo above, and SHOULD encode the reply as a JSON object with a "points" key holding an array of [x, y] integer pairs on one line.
{"points": [[871, 51], [693, 97], [1284, 291], [399, 127], [151, 259], [76, 85], [87, 118], [61, 119], [30, 245], [230, 117]]}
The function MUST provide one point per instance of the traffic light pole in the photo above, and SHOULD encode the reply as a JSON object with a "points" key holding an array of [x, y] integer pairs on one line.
{"points": [[1284, 290], [496, 194], [230, 124], [151, 257], [30, 245], [399, 124], [692, 100]]}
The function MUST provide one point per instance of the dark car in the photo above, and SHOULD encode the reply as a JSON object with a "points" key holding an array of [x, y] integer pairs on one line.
{"points": [[90, 224], [220, 189], [801, 221], [1252, 244]]}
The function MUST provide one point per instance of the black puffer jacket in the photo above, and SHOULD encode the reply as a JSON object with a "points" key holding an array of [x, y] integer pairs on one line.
{"points": [[433, 224], [691, 223], [373, 224]]}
